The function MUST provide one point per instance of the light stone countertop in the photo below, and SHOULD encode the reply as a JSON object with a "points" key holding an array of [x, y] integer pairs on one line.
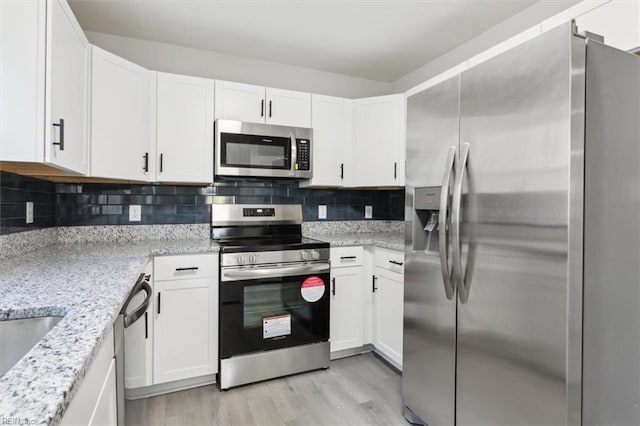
{"points": [[88, 284], [388, 240]]}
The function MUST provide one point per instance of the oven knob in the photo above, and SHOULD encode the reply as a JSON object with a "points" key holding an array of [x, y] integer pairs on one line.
{"points": [[240, 260], [252, 258], [304, 255], [315, 254]]}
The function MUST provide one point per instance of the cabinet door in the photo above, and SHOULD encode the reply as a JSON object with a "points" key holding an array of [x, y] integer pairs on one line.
{"points": [[67, 87], [347, 306], [389, 314], [332, 157], [186, 329], [120, 140], [288, 108], [106, 411], [378, 135], [237, 101], [184, 129]]}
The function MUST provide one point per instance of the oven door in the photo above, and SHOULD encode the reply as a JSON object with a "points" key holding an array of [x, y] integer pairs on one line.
{"points": [[261, 309]]}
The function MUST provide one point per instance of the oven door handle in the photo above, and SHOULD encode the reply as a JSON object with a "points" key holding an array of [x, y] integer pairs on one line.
{"points": [[271, 271]]}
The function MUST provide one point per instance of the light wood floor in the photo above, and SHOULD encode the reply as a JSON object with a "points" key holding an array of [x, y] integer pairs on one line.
{"points": [[359, 390]]}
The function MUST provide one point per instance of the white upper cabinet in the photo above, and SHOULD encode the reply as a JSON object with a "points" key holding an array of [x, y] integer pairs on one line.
{"points": [[379, 141], [618, 21], [288, 108], [184, 129], [44, 64], [242, 102], [120, 111], [332, 156], [256, 104]]}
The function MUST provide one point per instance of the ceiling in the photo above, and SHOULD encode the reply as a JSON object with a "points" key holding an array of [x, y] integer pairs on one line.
{"points": [[378, 40]]}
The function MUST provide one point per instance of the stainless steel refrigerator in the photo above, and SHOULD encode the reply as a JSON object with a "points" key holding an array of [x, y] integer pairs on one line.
{"points": [[522, 277]]}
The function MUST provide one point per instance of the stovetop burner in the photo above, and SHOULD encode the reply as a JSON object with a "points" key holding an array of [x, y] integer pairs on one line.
{"points": [[246, 228]]}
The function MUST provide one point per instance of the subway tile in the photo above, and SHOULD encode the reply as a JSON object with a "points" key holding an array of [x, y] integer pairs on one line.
{"points": [[204, 209], [111, 210], [174, 199]]}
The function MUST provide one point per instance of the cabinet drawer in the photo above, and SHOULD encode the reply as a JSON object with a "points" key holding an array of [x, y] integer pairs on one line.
{"points": [[184, 267], [389, 259], [346, 256]]}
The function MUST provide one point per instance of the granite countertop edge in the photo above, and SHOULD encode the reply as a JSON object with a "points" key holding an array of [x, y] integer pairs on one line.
{"points": [[87, 284], [388, 240]]}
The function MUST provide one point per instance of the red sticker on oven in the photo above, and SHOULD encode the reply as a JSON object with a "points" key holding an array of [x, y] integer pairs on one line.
{"points": [[312, 289]]}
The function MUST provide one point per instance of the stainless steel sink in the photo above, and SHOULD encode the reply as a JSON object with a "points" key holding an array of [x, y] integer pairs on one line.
{"points": [[17, 337]]}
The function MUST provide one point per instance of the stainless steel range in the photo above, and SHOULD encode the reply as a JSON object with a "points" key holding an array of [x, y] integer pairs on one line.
{"points": [[274, 294]]}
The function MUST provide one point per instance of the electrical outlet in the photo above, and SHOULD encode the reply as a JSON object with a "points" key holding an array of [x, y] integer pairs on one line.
{"points": [[368, 212], [135, 213], [322, 212], [29, 212]]}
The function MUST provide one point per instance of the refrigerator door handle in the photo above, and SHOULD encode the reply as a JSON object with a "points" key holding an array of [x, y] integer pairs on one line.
{"points": [[447, 278], [460, 276]]}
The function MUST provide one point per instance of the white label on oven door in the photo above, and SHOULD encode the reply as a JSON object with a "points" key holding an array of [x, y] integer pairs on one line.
{"points": [[312, 289], [276, 326]]}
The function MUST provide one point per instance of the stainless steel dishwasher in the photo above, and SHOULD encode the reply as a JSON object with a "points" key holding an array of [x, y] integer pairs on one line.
{"points": [[126, 318]]}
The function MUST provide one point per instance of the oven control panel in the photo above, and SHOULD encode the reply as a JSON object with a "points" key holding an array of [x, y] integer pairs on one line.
{"points": [[274, 257], [258, 212]]}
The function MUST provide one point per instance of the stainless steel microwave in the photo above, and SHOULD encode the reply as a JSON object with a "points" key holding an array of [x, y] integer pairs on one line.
{"points": [[262, 150]]}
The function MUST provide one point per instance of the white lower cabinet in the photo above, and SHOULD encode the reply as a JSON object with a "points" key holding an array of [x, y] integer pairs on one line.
{"points": [[95, 401], [177, 339], [389, 306], [347, 304], [388, 287], [346, 308], [185, 329]]}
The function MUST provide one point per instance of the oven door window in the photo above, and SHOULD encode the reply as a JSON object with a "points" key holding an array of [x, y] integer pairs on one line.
{"points": [[250, 151], [271, 313]]}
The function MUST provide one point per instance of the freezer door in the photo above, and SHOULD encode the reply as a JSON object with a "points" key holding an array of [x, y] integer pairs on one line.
{"points": [[428, 378], [514, 315]]}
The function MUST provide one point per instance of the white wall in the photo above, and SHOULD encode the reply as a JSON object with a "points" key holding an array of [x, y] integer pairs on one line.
{"points": [[518, 23], [202, 63]]}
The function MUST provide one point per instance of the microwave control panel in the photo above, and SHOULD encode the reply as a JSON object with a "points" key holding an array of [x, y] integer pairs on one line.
{"points": [[303, 160]]}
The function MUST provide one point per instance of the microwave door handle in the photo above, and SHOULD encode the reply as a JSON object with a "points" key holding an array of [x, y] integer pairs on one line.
{"points": [[294, 153]]}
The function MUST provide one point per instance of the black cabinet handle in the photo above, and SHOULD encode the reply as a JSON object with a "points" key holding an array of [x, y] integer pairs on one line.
{"points": [[347, 257], [159, 303], [146, 162], [395, 170], [161, 162], [60, 142], [269, 109], [341, 170], [146, 326], [333, 286], [262, 108], [190, 268], [396, 263], [373, 284]]}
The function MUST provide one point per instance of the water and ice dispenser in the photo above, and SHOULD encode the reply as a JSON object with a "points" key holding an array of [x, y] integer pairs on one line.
{"points": [[426, 214]]}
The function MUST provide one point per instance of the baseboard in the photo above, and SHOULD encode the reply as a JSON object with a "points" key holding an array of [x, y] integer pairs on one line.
{"points": [[162, 388], [351, 351], [388, 361]]}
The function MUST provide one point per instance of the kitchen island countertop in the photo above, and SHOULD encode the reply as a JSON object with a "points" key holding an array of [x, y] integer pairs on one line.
{"points": [[87, 283]]}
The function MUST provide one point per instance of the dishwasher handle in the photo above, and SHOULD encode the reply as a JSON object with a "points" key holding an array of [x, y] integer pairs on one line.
{"points": [[141, 285]]}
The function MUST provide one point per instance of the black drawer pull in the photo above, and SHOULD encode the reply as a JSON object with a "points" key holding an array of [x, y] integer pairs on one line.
{"points": [[159, 303], [146, 326], [396, 263], [333, 286], [373, 284], [347, 257], [190, 268]]}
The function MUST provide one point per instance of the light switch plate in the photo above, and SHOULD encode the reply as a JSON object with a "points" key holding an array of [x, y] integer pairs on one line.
{"points": [[135, 213], [368, 212], [29, 212], [322, 212]]}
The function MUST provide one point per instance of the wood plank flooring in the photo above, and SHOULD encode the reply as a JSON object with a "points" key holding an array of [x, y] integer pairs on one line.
{"points": [[359, 390]]}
